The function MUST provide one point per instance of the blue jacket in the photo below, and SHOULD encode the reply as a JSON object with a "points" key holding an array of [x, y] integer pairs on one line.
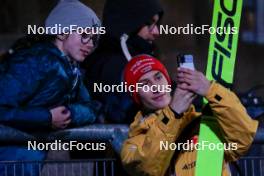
{"points": [[34, 81], [37, 80]]}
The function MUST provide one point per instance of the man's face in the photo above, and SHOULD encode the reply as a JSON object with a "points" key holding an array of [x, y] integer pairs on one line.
{"points": [[150, 32], [78, 46], [159, 98]]}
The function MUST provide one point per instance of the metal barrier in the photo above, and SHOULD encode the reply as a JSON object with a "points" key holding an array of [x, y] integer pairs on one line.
{"points": [[103, 167], [250, 166], [87, 133], [92, 167]]}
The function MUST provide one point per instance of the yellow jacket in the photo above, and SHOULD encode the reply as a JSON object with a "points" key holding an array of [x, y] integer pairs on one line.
{"points": [[141, 153]]}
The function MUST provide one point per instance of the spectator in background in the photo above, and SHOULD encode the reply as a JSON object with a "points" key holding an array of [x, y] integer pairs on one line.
{"points": [[138, 19], [41, 86], [171, 118]]}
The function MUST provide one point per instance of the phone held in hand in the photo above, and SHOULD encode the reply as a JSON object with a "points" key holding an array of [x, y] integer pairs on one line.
{"points": [[185, 61]]}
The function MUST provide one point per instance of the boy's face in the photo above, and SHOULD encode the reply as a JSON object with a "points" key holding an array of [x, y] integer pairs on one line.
{"points": [[159, 97], [78, 46], [150, 32]]}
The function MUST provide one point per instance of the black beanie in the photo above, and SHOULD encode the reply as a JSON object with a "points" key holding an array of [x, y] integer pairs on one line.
{"points": [[127, 16]]}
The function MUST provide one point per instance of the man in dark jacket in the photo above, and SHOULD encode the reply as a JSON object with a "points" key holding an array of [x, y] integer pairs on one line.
{"points": [[138, 19], [41, 86]]}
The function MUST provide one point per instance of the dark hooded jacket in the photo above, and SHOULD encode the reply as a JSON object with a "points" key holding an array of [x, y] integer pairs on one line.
{"points": [[106, 64]]}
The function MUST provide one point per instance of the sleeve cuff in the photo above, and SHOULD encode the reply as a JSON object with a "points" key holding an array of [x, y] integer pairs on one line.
{"points": [[176, 115], [216, 92]]}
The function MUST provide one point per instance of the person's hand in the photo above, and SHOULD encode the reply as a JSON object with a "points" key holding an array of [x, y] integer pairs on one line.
{"points": [[60, 117], [181, 100], [192, 80]]}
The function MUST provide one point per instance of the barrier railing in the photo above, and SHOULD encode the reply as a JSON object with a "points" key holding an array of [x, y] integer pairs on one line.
{"points": [[87, 133], [250, 165], [91, 167]]}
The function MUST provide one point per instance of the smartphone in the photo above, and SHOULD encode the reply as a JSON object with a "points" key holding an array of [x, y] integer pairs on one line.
{"points": [[185, 61]]}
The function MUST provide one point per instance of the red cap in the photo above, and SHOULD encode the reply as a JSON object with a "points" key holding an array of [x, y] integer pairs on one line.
{"points": [[140, 65]]}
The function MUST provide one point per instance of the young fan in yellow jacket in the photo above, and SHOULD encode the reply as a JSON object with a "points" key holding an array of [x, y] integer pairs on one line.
{"points": [[167, 119]]}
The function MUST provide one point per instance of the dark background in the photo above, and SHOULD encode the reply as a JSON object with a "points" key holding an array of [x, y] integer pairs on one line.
{"points": [[15, 15]]}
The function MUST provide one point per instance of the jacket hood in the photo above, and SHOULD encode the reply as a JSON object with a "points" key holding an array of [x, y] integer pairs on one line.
{"points": [[128, 16], [37, 49]]}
